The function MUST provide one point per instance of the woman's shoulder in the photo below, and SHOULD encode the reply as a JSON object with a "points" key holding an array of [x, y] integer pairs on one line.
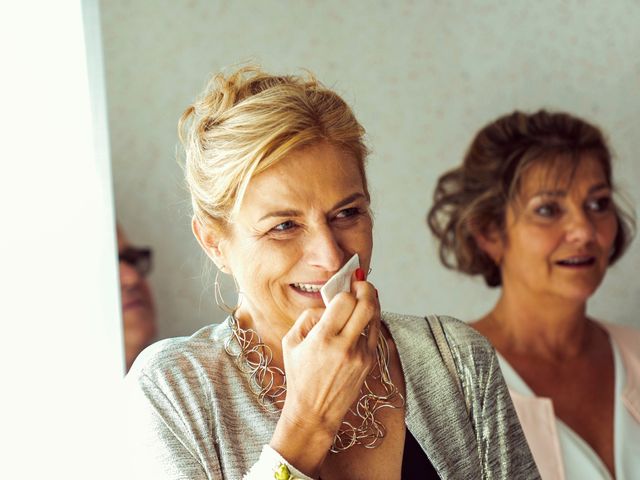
{"points": [[471, 352], [203, 350], [463, 334], [458, 333]]}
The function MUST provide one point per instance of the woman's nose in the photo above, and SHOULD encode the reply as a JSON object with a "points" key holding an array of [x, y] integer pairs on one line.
{"points": [[580, 228], [129, 276], [324, 251]]}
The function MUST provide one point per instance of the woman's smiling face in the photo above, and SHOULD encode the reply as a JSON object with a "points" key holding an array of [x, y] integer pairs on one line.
{"points": [[298, 223], [560, 234]]}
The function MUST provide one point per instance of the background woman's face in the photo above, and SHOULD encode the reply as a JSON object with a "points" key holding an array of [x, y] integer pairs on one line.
{"points": [[560, 234], [138, 311], [299, 222]]}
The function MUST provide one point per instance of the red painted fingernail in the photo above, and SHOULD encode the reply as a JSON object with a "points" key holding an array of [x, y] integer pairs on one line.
{"points": [[359, 274]]}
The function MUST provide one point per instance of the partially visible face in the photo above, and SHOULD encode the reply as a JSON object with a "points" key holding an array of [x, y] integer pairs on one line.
{"points": [[560, 234], [138, 313], [299, 222]]}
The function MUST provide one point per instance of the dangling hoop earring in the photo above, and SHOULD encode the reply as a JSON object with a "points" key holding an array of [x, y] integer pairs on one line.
{"points": [[217, 293]]}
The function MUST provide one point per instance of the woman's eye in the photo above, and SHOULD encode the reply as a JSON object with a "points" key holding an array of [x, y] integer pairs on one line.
{"points": [[547, 210], [601, 204], [348, 212], [284, 226]]}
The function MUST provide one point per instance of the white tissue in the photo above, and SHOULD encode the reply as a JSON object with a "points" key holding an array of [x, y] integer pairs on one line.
{"points": [[341, 281]]}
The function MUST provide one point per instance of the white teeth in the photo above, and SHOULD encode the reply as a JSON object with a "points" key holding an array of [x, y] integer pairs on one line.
{"points": [[306, 287], [576, 260]]}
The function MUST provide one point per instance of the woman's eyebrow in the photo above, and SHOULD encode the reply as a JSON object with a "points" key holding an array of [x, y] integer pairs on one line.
{"points": [[599, 186], [348, 200], [550, 193], [297, 213], [281, 213], [563, 193]]}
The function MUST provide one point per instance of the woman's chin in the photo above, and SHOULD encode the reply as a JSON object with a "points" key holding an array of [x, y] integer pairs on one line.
{"points": [[579, 293]]}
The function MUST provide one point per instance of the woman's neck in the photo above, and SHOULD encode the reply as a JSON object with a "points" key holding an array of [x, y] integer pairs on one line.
{"points": [[269, 333], [552, 328]]}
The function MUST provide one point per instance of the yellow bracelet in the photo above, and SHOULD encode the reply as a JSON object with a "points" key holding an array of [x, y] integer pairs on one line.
{"points": [[283, 473]]}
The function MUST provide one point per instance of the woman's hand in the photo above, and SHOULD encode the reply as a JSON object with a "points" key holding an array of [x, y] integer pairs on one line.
{"points": [[326, 361]]}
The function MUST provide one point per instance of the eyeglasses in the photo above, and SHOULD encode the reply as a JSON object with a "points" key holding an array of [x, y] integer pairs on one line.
{"points": [[138, 258]]}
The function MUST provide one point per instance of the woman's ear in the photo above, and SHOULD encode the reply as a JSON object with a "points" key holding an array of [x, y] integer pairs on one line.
{"points": [[211, 242], [491, 241]]}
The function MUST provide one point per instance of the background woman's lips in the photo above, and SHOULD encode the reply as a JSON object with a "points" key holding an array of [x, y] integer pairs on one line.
{"points": [[577, 261], [136, 303]]}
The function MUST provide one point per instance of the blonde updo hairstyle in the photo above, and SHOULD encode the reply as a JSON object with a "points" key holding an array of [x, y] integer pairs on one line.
{"points": [[473, 198], [244, 123]]}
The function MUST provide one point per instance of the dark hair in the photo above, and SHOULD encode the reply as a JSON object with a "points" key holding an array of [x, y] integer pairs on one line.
{"points": [[474, 196]]}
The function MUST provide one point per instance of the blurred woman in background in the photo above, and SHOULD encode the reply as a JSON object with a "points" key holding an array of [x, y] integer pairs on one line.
{"points": [[138, 310], [531, 209]]}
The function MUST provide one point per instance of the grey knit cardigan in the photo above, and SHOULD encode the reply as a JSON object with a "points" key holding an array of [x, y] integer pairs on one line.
{"points": [[192, 414]]}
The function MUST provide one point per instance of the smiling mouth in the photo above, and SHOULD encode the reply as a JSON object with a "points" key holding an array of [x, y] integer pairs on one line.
{"points": [[579, 261], [307, 287]]}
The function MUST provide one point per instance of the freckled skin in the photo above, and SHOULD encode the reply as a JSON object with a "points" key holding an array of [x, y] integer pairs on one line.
{"points": [[305, 248]]}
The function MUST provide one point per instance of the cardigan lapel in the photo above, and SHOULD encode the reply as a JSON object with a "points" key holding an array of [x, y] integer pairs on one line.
{"points": [[436, 413]]}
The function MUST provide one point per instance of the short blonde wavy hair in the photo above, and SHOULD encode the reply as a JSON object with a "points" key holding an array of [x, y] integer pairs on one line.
{"points": [[246, 122]]}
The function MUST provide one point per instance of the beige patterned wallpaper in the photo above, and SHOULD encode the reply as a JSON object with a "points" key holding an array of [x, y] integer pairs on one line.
{"points": [[422, 76]]}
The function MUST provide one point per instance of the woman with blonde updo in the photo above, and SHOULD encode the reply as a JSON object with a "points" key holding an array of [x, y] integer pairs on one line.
{"points": [[288, 386], [531, 209]]}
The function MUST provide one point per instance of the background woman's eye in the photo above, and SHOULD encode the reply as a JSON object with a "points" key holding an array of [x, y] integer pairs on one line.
{"points": [[599, 204], [547, 210], [284, 226]]}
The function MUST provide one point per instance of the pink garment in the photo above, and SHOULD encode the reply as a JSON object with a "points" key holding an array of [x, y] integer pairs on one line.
{"points": [[537, 416], [628, 341]]}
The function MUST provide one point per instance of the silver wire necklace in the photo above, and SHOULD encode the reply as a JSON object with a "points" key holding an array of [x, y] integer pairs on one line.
{"points": [[269, 384]]}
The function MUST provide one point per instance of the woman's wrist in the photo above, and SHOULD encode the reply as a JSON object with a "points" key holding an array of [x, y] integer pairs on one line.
{"points": [[273, 465], [303, 443]]}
